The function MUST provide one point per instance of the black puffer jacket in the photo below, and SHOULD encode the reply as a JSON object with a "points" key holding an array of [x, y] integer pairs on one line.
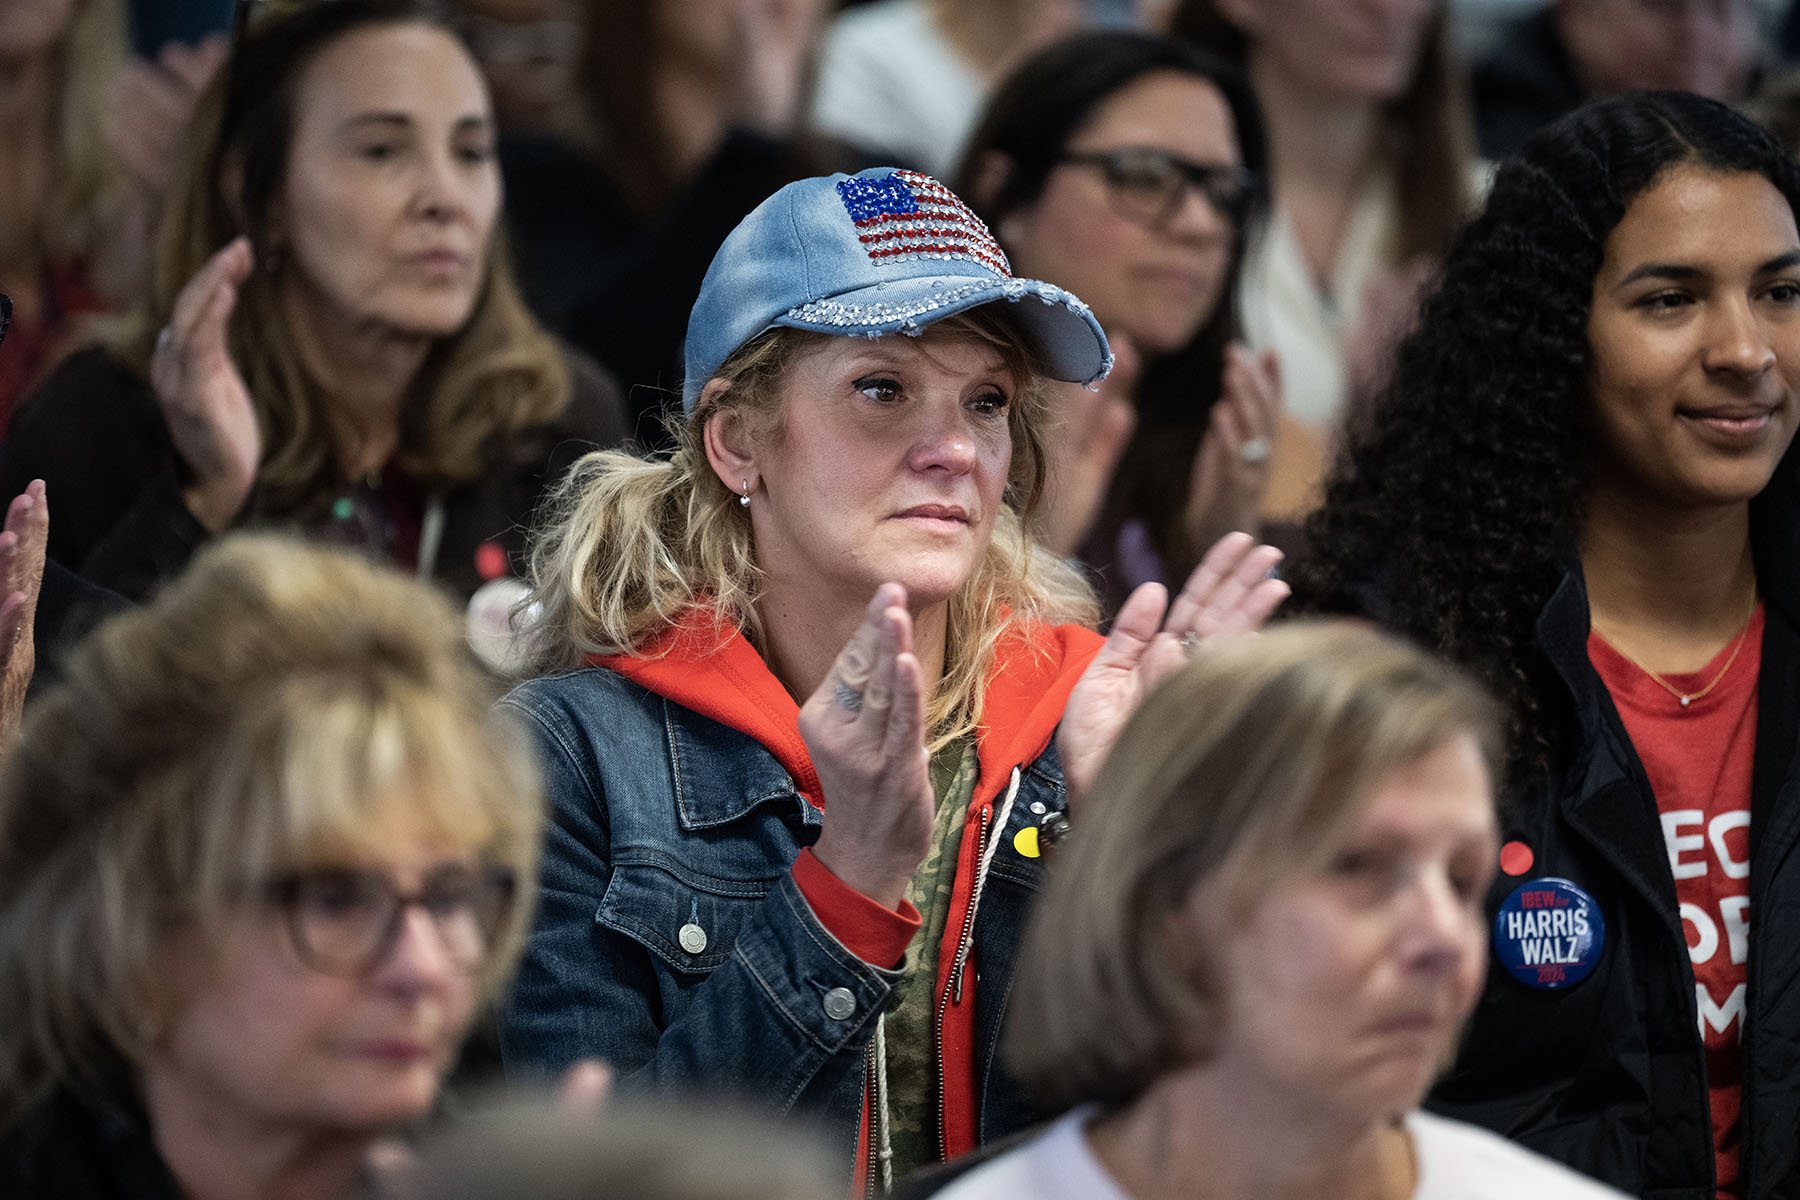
{"points": [[1609, 1075]]}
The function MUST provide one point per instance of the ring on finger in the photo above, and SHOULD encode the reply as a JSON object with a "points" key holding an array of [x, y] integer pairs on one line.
{"points": [[164, 338], [1255, 450], [1190, 644], [847, 696]]}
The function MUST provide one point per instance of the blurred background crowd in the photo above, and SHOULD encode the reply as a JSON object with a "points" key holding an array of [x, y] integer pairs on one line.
{"points": [[457, 287], [630, 137]]}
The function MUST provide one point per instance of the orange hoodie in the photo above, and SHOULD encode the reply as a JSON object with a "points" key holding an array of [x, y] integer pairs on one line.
{"points": [[709, 668]]}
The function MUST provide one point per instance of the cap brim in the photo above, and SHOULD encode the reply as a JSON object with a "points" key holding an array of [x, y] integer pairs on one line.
{"points": [[1064, 330]]}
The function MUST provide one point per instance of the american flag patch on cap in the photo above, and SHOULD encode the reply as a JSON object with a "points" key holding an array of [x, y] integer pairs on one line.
{"points": [[908, 215]]}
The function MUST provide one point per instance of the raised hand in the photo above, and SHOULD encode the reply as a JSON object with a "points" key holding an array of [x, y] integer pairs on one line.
{"points": [[1084, 445], [22, 547], [202, 395], [1231, 592], [774, 38], [865, 730], [149, 104], [1231, 469]]}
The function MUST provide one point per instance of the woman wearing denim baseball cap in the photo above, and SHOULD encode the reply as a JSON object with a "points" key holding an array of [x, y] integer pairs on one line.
{"points": [[819, 688]]}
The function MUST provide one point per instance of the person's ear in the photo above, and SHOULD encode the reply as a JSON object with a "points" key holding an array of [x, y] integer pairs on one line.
{"points": [[730, 449]]}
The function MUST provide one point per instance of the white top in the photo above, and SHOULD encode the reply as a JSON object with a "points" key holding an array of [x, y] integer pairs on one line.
{"points": [[1285, 310], [889, 81], [1283, 307], [1456, 1162]]}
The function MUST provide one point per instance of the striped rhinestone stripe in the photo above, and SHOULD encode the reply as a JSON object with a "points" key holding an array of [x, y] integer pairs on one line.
{"points": [[909, 215]]}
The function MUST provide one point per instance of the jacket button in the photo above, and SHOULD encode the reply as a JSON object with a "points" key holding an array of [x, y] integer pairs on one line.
{"points": [[839, 1003], [692, 938]]}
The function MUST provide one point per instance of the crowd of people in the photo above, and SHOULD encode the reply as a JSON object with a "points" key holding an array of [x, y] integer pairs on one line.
{"points": [[1045, 599]]}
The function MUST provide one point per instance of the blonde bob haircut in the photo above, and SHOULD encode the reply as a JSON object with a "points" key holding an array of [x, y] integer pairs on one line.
{"points": [[630, 545], [279, 706], [1245, 770], [499, 374]]}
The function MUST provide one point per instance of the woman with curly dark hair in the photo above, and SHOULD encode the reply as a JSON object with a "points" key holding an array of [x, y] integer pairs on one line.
{"points": [[1579, 485]]}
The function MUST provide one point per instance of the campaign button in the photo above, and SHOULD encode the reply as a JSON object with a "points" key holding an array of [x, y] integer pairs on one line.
{"points": [[1549, 933]]}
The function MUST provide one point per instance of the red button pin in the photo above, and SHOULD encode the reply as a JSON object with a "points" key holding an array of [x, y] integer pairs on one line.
{"points": [[490, 560], [1516, 858]]}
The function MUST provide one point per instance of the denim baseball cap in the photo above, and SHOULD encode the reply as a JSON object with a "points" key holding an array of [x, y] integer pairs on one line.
{"points": [[882, 251]]}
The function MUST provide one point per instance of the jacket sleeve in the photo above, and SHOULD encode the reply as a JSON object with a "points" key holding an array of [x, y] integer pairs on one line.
{"points": [[152, 542], [96, 436], [782, 1014]]}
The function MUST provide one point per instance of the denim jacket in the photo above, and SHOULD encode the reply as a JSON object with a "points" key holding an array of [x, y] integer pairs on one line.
{"points": [[671, 938]]}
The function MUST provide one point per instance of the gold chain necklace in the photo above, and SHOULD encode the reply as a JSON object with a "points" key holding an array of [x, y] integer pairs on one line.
{"points": [[1688, 698]]}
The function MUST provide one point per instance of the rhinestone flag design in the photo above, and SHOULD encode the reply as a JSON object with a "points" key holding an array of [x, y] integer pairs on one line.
{"points": [[908, 215]]}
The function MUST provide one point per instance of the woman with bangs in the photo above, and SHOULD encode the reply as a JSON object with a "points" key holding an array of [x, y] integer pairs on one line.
{"points": [[332, 339], [817, 689], [260, 856]]}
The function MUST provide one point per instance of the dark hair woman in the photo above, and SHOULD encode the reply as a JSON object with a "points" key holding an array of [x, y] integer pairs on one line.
{"points": [[331, 339], [1579, 486], [1127, 167]]}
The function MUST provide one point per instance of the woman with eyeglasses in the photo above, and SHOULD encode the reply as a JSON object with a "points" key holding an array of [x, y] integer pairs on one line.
{"points": [[1127, 168], [260, 858], [332, 340], [1372, 167]]}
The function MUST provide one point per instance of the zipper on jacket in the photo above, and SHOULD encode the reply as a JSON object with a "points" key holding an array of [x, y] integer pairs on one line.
{"points": [[869, 1108], [984, 857], [954, 987], [966, 942]]}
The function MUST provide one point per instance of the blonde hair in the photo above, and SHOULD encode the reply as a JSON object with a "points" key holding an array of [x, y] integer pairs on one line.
{"points": [[278, 706], [630, 545], [1247, 767], [499, 374], [85, 181]]}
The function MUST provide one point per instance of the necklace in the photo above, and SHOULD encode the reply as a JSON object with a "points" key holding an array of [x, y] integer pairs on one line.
{"points": [[1687, 698]]}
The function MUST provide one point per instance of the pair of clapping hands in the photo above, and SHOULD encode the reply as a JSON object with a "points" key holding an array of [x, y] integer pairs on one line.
{"points": [[865, 725]]}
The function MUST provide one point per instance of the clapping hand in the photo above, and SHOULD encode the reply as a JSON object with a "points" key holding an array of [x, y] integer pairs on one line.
{"points": [[149, 104], [202, 395], [1083, 449], [1231, 469], [1231, 592], [773, 40], [22, 549], [865, 730]]}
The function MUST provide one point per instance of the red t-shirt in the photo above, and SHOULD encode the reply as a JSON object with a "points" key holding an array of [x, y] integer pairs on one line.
{"points": [[1698, 760]]}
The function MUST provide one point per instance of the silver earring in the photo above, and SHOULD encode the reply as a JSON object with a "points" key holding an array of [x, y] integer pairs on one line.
{"points": [[744, 500]]}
